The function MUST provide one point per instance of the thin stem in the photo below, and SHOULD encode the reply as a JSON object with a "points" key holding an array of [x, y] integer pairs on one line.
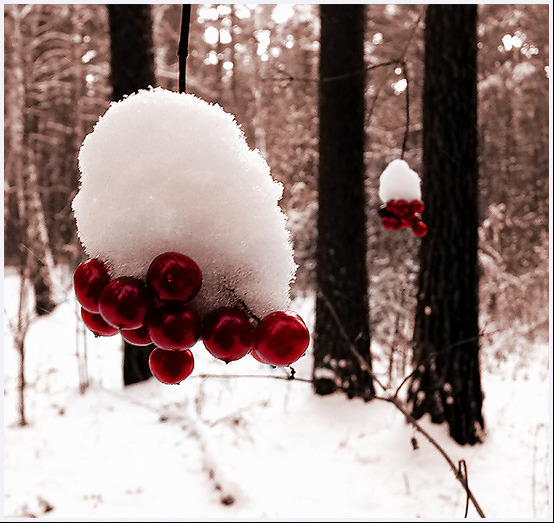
{"points": [[224, 376], [412, 421], [462, 469], [405, 71], [183, 50]]}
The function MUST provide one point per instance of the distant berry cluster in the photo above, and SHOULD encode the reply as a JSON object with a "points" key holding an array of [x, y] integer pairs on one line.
{"points": [[157, 311], [400, 214]]}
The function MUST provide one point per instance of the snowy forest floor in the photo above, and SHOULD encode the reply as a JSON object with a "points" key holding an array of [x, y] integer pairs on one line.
{"points": [[250, 447]]}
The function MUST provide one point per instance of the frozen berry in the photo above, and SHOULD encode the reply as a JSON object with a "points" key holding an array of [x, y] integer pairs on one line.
{"points": [[392, 223], [419, 228], [407, 221], [139, 337], [170, 366], [122, 303], [281, 338], [89, 280], [257, 357], [97, 325], [402, 208], [391, 206], [174, 277], [416, 206], [227, 334], [173, 326]]}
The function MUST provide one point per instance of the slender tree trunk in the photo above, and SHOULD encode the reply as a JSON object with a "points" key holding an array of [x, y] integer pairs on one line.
{"points": [[446, 383], [132, 68], [342, 280], [259, 114]]}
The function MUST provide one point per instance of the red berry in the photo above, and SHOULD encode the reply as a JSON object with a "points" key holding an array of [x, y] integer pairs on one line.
{"points": [[391, 223], [416, 206], [407, 221], [123, 302], [227, 334], [419, 228], [96, 324], [139, 337], [170, 366], [392, 207], [281, 338], [174, 277], [402, 208], [173, 326], [89, 280], [257, 357]]}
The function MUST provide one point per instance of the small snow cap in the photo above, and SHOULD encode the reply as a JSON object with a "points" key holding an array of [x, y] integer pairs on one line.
{"points": [[399, 182]]}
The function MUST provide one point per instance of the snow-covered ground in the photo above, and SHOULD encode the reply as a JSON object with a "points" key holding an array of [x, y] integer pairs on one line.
{"points": [[236, 448]]}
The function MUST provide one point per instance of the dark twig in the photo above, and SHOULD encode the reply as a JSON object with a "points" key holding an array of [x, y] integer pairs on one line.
{"points": [[396, 62], [223, 376], [183, 50], [394, 400], [405, 141], [462, 471], [247, 309]]}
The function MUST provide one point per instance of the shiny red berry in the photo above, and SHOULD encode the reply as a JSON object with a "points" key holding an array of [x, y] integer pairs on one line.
{"points": [[173, 326], [257, 357], [89, 280], [139, 337], [281, 338], [122, 303], [227, 334], [419, 228], [174, 277], [97, 325], [416, 206], [170, 366]]}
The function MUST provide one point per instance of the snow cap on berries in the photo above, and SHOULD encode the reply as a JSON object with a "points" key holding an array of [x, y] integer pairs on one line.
{"points": [[165, 171], [399, 182]]}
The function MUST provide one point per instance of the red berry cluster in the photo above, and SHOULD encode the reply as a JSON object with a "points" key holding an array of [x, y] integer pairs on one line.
{"points": [[157, 312], [400, 214]]}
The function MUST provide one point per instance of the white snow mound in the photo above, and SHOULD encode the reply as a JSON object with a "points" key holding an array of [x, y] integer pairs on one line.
{"points": [[165, 171], [399, 182]]}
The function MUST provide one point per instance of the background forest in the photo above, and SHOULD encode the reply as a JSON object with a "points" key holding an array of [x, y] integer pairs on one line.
{"points": [[260, 62]]}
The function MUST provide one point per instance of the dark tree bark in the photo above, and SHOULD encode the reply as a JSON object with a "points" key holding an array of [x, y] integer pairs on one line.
{"points": [[132, 48], [132, 68], [342, 280], [446, 383]]}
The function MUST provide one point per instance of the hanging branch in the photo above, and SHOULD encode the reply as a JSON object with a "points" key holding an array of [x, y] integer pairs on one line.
{"points": [[405, 141], [184, 47], [394, 400]]}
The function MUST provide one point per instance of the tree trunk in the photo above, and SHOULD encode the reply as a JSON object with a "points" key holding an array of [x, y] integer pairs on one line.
{"points": [[342, 280], [132, 68], [446, 383]]}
